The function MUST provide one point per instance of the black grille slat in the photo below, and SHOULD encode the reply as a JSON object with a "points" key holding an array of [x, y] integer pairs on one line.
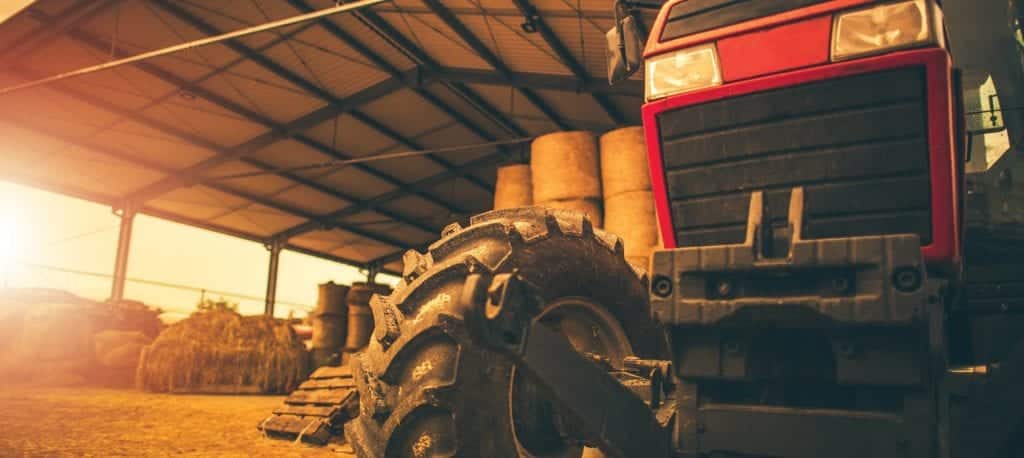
{"points": [[857, 145], [695, 16]]}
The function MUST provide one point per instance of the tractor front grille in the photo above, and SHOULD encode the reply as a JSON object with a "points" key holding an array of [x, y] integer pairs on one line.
{"points": [[858, 146]]}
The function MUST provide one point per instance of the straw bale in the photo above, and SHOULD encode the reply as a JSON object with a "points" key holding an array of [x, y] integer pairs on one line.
{"points": [[514, 187], [630, 216], [589, 207], [624, 162], [220, 348], [564, 166]]}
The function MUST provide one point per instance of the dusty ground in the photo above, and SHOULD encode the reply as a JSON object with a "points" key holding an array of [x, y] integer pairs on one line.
{"points": [[107, 422]]}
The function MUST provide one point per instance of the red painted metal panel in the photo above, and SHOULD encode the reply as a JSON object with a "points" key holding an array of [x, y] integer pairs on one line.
{"points": [[656, 46], [773, 50], [945, 247]]}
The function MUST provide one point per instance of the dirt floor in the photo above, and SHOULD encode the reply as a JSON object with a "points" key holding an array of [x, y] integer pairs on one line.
{"points": [[108, 422]]}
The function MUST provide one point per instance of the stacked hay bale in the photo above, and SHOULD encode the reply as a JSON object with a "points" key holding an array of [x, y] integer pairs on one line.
{"points": [[565, 173], [118, 353], [628, 201], [330, 324], [360, 318], [514, 187], [220, 351]]}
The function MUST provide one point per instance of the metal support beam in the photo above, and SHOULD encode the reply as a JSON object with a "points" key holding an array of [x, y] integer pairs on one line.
{"points": [[467, 36], [307, 85], [52, 29], [485, 161], [274, 247], [124, 242], [372, 270], [566, 56]]}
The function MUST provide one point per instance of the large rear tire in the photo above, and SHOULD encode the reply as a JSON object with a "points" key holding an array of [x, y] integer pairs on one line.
{"points": [[426, 390]]}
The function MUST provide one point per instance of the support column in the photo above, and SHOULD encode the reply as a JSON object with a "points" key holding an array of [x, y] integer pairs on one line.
{"points": [[274, 247], [124, 241], [371, 273]]}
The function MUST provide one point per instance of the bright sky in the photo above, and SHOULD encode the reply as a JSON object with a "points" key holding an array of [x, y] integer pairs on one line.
{"points": [[44, 236]]}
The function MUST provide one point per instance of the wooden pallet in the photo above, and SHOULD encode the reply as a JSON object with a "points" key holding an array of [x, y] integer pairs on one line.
{"points": [[316, 412]]}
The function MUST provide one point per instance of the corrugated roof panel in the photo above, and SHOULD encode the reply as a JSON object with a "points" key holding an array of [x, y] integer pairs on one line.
{"points": [[353, 137], [289, 153], [258, 219], [16, 29], [197, 202], [309, 200], [351, 24], [467, 110], [135, 139], [261, 185], [518, 50], [223, 130], [321, 241], [230, 15], [420, 209], [376, 223], [475, 201], [629, 107], [65, 55], [361, 248], [455, 135], [408, 169], [406, 113], [578, 109], [356, 183], [255, 87], [16, 141], [435, 38], [585, 39], [324, 60], [106, 173], [512, 103]]}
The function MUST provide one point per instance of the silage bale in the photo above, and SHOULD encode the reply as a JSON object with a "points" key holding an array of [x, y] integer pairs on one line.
{"points": [[224, 352], [589, 207], [564, 166], [514, 187]]}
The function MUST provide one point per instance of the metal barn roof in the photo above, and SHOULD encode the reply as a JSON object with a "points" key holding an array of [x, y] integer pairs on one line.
{"points": [[218, 136]]}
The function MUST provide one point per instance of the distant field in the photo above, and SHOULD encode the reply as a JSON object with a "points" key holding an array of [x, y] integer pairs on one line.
{"points": [[107, 422]]}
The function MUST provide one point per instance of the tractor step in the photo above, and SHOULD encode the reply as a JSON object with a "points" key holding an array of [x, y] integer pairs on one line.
{"points": [[316, 412]]}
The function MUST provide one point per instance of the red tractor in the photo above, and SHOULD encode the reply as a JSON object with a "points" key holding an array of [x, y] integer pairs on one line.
{"points": [[833, 283]]}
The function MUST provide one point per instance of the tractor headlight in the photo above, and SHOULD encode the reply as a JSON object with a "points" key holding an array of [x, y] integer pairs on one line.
{"points": [[682, 71], [883, 28]]}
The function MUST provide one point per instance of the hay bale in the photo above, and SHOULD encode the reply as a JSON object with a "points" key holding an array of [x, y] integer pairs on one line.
{"points": [[589, 207], [624, 162], [514, 187], [119, 349], [222, 351], [630, 216], [330, 322], [564, 166], [360, 317]]}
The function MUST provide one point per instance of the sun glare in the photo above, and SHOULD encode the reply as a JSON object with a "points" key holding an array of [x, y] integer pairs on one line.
{"points": [[9, 236]]}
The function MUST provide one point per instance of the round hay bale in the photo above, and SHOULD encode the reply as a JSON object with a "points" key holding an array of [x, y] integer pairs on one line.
{"points": [[624, 162], [630, 216], [564, 166], [589, 207], [56, 332], [360, 318], [114, 348], [123, 357], [514, 187], [222, 351], [330, 322]]}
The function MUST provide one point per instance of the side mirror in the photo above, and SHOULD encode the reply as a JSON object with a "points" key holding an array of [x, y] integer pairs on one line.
{"points": [[625, 49]]}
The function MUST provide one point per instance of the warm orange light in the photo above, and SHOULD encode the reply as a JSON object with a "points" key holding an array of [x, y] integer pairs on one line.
{"points": [[10, 237]]}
